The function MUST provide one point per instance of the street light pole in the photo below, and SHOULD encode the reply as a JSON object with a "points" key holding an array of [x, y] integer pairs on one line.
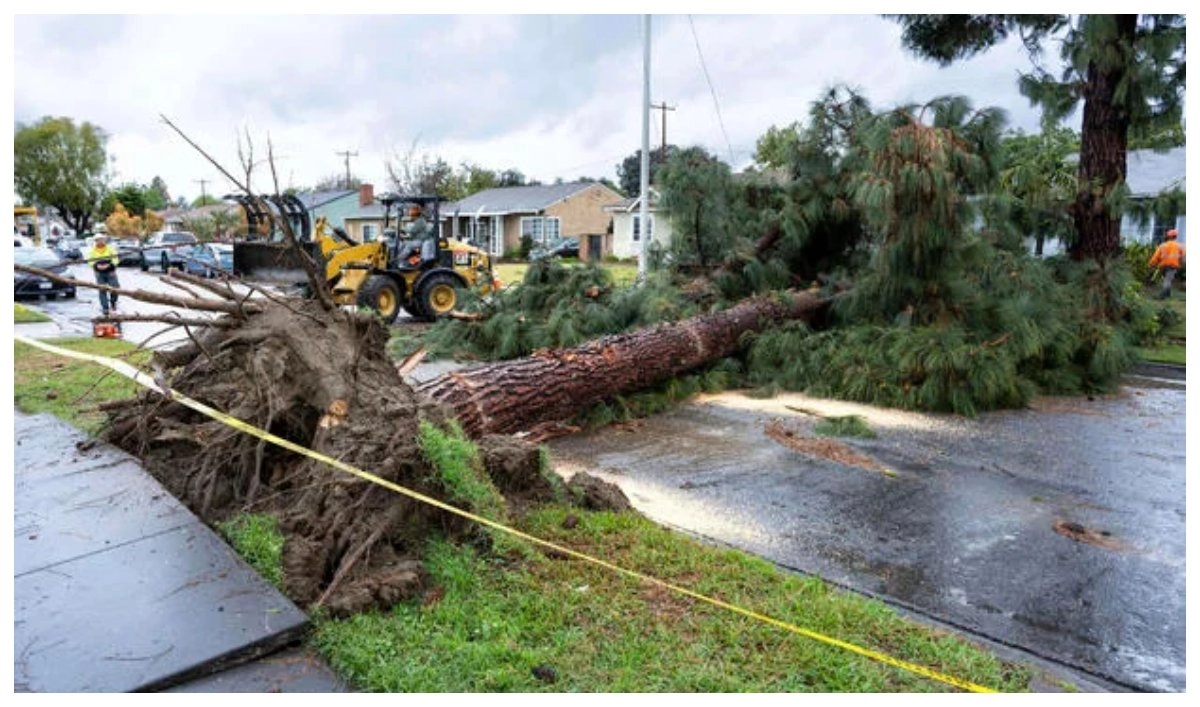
{"points": [[644, 211]]}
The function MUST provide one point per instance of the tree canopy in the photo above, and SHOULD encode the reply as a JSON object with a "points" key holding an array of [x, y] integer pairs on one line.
{"points": [[629, 171], [59, 164]]}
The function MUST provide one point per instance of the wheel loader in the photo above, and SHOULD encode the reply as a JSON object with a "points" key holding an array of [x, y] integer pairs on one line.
{"points": [[421, 274]]}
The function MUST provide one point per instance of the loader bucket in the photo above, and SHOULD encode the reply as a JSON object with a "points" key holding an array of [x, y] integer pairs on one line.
{"points": [[272, 263]]}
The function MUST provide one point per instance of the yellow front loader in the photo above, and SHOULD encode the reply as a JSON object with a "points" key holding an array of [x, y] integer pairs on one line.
{"points": [[421, 276]]}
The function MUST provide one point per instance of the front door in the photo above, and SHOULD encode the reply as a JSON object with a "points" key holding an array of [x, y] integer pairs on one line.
{"points": [[594, 247]]}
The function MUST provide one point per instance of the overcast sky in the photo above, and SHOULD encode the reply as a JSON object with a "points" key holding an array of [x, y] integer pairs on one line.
{"points": [[549, 95]]}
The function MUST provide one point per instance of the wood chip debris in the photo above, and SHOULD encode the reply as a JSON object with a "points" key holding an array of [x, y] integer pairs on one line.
{"points": [[823, 447]]}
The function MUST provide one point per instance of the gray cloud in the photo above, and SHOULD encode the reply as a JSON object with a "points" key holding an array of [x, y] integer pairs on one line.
{"points": [[549, 95]]}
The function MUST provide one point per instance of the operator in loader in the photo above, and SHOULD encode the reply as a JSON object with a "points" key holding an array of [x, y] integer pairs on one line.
{"points": [[419, 245]]}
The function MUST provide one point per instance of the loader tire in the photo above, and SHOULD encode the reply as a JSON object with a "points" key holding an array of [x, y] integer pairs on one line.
{"points": [[381, 295], [437, 296]]}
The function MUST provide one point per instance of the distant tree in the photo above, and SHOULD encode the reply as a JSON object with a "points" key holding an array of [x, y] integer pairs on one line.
{"points": [[629, 172], [157, 195], [1040, 176], [695, 190], [124, 223], [512, 178], [336, 182], [129, 195], [476, 179], [61, 165], [1127, 70], [205, 200]]}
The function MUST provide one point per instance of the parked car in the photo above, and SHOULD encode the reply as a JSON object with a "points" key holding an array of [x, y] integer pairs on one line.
{"points": [[209, 260], [167, 250], [29, 285], [70, 250], [559, 247], [129, 252]]}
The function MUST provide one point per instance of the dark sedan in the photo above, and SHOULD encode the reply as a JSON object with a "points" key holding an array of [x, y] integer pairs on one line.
{"points": [[129, 252], [30, 285]]}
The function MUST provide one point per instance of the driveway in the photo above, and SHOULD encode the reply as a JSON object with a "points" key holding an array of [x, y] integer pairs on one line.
{"points": [[1057, 530]]}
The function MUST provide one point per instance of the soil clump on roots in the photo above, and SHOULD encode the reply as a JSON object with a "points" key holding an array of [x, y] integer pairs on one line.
{"points": [[322, 379]]}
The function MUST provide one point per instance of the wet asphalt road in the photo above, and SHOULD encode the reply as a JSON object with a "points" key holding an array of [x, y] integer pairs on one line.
{"points": [[1058, 531]]}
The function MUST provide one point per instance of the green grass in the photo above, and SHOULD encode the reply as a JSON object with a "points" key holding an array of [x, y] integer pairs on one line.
{"points": [[847, 426], [258, 540], [1173, 350], [25, 315], [70, 389], [495, 620], [460, 470], [514, 273]]}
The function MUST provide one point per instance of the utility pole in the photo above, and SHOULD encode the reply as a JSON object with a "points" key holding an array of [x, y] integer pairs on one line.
{"points": [[645, 176], [662, 157], [348, 154], [203, 194]]}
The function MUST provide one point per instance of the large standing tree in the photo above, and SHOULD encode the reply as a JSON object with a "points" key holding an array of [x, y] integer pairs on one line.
{"points": [[1127, 70], [59, 164]]}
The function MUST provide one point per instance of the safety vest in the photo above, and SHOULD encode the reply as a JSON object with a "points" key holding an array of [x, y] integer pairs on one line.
{"points": [[1167, 255], [96, 254]]}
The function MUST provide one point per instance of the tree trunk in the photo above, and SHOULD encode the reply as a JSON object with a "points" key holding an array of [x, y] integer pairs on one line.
{"points": [[1104, 138], [553, 386]]}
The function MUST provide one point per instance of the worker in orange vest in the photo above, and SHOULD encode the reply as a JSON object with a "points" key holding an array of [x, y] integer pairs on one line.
{"points": [[1168, 257]]}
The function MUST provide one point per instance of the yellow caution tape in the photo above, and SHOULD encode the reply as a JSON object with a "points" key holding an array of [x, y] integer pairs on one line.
{"points": [[147, 381]]}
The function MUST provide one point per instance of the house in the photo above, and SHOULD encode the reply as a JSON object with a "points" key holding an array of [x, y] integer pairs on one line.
{"points": [[1149, 174], [627, 228], [497, 219]]}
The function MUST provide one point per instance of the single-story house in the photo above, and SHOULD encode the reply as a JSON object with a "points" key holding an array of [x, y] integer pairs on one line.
{"points": [[496, 219], [627, 228]]}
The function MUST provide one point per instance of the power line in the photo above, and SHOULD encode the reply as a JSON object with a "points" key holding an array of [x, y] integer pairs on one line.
{"points": [[713, 91]]}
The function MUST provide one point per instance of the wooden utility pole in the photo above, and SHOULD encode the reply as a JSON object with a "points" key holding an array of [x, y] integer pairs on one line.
{"points": [[203, 193], [348, 154], [663, 107]]}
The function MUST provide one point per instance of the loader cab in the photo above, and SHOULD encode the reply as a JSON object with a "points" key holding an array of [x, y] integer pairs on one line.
{"points": [[419, 248]]}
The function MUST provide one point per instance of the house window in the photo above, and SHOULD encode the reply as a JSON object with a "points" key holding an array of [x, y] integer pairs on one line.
{"points": [[637, 226], [368, 233], [541, 229]]}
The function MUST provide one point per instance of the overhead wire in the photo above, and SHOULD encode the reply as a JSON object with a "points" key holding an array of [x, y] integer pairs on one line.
{"points": [[711, 89]]}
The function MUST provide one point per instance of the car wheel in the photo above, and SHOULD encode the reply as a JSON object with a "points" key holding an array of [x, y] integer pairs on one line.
{"points": [[70, 294]]}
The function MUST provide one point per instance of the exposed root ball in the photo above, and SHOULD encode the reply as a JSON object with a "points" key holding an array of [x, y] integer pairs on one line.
{"points": [[323, 380]]}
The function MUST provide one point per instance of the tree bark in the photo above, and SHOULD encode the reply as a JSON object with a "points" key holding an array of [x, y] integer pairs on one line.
{"points": [[1104, 138], [551, 386]]}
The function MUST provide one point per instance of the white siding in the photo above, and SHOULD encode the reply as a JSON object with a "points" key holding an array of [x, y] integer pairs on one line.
{"points": [[623, 244]]}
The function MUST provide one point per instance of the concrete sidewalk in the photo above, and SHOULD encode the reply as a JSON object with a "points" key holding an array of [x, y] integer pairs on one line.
{"points": [[118, 587]]}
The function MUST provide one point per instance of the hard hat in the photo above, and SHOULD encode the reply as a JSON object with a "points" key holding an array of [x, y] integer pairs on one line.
{"points": [[1172, 233], [414, 210]]}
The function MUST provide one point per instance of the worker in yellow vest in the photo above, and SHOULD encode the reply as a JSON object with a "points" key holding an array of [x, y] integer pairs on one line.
{"points": [[104, 258]]}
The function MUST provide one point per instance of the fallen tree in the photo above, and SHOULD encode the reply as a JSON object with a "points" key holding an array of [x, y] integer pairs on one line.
{"points": [[555, 385]]}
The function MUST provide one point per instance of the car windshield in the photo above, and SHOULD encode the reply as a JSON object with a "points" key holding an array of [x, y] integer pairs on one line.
{"points": [[36, 257]]}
